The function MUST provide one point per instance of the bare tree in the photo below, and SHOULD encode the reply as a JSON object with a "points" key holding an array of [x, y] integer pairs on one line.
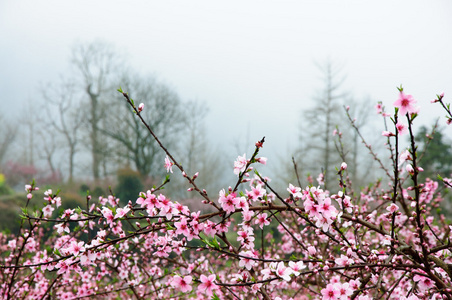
{"points": [[360, 166], [323, 118], [165, 114], [64, 116], [197, 154], [29, 127], [98, 64], [8, 134], [48, 150], [194, 142], [21, 167]]}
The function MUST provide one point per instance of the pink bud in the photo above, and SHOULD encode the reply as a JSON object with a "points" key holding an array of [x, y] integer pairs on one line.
{"points": [[140, 107], [343, 166], [409, 169], [262, 160], [259, 144]]}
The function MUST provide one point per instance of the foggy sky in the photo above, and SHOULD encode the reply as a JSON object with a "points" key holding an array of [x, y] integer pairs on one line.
{"points": [[252, 62]]}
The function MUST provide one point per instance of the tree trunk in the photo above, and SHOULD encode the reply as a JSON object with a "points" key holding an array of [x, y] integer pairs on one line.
{"points": [[95, 133]]}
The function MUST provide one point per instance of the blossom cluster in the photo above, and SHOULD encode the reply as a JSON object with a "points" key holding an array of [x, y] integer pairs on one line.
{"points": [[251, 241]]}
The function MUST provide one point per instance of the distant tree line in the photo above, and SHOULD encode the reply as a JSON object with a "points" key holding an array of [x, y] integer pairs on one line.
{"points": [[83, 126]]}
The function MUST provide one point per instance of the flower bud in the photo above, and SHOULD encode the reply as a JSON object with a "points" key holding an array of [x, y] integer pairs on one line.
{"points": [[259, 144]]}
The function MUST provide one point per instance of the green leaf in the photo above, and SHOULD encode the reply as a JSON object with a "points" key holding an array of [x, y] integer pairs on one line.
{"points": [[216, 244], [215, 297], [78, 210], [204, 241], [167, 179], [24, 211], [211, 243], [120, 90]]}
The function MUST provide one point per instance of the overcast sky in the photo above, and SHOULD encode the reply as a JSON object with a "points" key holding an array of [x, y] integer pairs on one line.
{"points": [[252, 62]]}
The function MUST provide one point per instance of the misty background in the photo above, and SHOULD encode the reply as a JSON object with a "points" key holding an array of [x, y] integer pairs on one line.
{"points": [[240, 70]]}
